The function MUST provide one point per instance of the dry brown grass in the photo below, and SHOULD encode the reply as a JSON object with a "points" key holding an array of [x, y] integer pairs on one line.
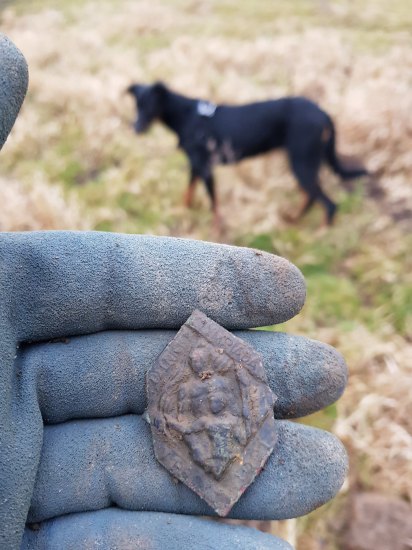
{"points": [[375, 419], [37, 206]]}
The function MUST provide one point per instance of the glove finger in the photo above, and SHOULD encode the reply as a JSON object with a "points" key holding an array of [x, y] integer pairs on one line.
{"points": [[71, 283], [13, 85], [120, 529], [111, 367], [88, 465]]}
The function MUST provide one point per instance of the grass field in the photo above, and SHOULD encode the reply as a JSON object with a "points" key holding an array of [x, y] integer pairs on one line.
{"points": [[73, 162]]}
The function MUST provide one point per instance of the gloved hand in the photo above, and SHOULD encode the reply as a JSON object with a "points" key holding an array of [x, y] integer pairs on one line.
{"points": [[83, 316]]}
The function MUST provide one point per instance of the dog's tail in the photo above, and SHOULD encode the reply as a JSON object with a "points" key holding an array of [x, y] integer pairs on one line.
{"points": [[331, 156]]}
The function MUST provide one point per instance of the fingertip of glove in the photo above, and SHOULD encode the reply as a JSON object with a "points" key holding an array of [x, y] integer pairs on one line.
{"points": [[274, 289], [316, 376], [13, 85], [323, 466]]}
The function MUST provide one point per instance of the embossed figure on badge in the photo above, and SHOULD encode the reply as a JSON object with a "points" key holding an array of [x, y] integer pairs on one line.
{"points": [[211, 412]]}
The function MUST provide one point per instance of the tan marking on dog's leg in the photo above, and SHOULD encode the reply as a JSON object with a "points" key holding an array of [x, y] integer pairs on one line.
{"points": [[188, 198]]}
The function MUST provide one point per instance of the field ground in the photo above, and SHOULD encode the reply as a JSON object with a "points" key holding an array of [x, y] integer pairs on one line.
{"points": [[73, 162]]}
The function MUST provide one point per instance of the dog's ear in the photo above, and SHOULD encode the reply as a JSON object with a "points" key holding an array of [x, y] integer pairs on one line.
{"points": [[135, 90], [159, 89]]}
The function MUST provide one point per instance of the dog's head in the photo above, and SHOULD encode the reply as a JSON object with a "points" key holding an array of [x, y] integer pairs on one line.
{"points": [[149, 103]]}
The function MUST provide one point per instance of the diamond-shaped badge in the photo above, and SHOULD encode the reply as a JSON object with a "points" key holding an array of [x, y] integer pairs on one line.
{"points": [[211, 412]]}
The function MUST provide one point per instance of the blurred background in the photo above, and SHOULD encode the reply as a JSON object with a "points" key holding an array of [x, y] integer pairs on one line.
{"points": [[73, 162]]}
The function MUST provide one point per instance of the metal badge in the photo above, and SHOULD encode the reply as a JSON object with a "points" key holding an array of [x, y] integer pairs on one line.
{"points": [[211, 412]]}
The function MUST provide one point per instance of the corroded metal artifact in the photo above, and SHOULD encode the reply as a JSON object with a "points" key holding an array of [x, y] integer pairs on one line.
{"points": [[211, 412]]}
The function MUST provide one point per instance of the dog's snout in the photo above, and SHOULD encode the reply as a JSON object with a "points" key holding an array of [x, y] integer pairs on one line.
{"points": [[140, 126]]}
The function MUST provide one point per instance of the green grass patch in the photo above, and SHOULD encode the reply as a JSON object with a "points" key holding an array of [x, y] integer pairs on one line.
{"points": [[323, 419]]}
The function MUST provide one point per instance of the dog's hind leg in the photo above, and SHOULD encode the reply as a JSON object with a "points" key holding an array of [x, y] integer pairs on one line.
{"points": [[306, 169], [330, 207]]}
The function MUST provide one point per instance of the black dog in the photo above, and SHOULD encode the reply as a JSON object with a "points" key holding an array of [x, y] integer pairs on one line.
{"points": [[221, 134]]}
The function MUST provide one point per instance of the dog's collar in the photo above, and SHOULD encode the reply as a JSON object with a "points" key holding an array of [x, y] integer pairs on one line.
{"points": [[205, 108]]}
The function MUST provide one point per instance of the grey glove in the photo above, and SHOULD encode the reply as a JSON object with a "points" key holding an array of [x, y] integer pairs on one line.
{"points": [[83, 316]]}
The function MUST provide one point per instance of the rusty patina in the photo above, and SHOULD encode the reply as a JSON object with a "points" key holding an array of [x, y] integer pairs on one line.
{"points": [[211, 412]]}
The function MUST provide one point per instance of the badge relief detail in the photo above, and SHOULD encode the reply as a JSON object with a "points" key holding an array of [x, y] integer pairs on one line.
{"points": [[211, 412]]}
